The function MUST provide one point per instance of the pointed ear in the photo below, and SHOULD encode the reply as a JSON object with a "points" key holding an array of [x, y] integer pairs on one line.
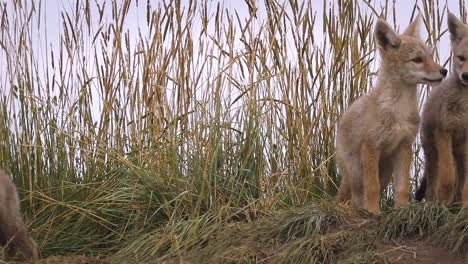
{"points": [[413, 28], [385, 36], [457, 29]]}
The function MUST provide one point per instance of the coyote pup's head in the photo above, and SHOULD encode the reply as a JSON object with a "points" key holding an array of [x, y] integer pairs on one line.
{"points": [[459, 38], [406, 55]]}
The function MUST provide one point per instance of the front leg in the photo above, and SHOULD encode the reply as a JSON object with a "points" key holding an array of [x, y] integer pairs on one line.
{"points": [[465, 193], [370, 156], [462, 177], [445, 179], [401, 177]]}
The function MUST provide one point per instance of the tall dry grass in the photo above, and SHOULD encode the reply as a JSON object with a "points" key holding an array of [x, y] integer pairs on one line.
{"points": [[202, 116]]}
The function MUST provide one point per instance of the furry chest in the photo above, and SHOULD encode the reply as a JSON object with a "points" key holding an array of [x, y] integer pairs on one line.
{"points": [[455, 115], [393, 130]]}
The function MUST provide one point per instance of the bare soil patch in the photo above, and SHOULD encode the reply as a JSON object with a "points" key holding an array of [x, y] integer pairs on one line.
{"points": [[66, 259], [413, 251]]}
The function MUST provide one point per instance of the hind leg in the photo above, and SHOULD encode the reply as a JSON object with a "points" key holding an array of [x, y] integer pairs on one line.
{"points": [[464, 194], [385, 172], [402, 159], [356, 182], [344, 193], [462, 187], [446, 171], [427, 186], [8, 244], [24, 242], [459, 157], [19, 239], [370, 157], [10, 252], [462, 191], [421, 191]]}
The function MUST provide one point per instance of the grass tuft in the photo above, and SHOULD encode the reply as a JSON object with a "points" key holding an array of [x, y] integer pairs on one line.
{"points": [[454, 233], [414, 219], [307, 221]]}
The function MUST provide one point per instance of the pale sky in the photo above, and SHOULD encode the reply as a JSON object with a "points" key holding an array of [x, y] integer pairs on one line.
{"points": [[52, 23], [137, 15]]}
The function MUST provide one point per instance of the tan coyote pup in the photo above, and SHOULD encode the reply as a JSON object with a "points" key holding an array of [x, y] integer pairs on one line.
{"points": [[445, 128], [375, 134], [13, 233]]}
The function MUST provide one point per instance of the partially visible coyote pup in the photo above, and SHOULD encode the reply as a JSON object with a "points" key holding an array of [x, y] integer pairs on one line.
{"points": [[445, 127], [13, 233], [375, 135]]}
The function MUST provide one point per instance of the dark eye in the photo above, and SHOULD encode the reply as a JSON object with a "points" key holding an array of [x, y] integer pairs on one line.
{"points": [[417, 60], [461, 58]]}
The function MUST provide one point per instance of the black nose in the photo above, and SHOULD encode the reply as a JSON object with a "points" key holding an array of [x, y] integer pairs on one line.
{"points": [[465, 76], [443, 72]]}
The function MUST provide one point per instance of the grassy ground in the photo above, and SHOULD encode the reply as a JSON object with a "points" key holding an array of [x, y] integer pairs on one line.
{"points": [[186, 138], [324, 233], [318, 233]]}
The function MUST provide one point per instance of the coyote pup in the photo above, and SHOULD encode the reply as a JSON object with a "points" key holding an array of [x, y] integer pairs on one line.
{"points": [[375, 134], [445, 127], [13, 233]]}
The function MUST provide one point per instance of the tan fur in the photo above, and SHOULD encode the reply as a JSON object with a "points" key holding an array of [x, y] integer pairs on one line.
{"points": [[445, 127], [13, 233], [376, 133]]}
